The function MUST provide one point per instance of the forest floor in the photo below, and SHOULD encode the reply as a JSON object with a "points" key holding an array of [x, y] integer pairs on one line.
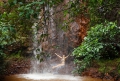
{"points": [[17, 66], [104, 69]]}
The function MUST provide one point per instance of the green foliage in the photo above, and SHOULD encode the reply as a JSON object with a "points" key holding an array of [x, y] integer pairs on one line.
{"points": [[33, 9], [118, 69], [17, 18], [7, 34], [105, 65], [30, 10], [42, 56], [98, 10], [16, 55], [12, 25], [101, 42], [74, 8], [109, 66], [95, 10]]}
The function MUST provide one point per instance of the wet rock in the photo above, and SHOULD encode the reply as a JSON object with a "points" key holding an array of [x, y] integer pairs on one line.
{"points": [[18, 66]]}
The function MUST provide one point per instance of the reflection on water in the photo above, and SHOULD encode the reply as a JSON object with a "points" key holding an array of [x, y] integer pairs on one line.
{"points": [[48, 77]]}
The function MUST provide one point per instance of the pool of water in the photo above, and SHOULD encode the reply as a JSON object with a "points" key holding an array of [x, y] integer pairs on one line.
{"points": [[48, 77]]}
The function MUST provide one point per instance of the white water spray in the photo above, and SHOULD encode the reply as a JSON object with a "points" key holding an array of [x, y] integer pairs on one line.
{"points": [[43, 70], [36, 51], [52, 77]]}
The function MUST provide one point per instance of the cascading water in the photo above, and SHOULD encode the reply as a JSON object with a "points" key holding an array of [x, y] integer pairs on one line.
{"points": [[38, 46], [37, 65], [55, 41], [37, 50]]}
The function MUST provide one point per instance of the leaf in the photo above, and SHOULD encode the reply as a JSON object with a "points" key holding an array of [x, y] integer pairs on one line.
{"points": [[20, 3], [15, 1], [21, 14], [12, 29], [12, 2], [96, 46], [28, 15], [43, 35], [33, 3]]}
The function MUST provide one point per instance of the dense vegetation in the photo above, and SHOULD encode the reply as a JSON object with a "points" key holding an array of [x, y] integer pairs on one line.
{"points": [[102, 44], [102, 40], [16, 20]]}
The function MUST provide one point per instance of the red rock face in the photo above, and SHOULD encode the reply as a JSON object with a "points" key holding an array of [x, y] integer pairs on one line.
{"points": [[83, 22], [63, 42], [60, 41]]}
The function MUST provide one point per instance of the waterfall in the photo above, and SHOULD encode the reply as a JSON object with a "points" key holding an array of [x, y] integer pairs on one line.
{"points": [[36, 51], [56, 40], [37, 65]]}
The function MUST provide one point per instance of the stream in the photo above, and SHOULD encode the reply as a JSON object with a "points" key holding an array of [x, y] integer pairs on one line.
{"points": [[48, 77]]}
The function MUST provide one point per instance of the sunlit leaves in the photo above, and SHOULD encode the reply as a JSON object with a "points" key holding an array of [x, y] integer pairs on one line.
{"points": [[74, 8], [100, 42], [31, 9], [54, 2], [12, 1], [7, 35]]}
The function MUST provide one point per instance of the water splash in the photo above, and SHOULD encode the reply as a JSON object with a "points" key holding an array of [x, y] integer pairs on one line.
{"points": [[48, 76], [37, 65], [57, 41]]}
